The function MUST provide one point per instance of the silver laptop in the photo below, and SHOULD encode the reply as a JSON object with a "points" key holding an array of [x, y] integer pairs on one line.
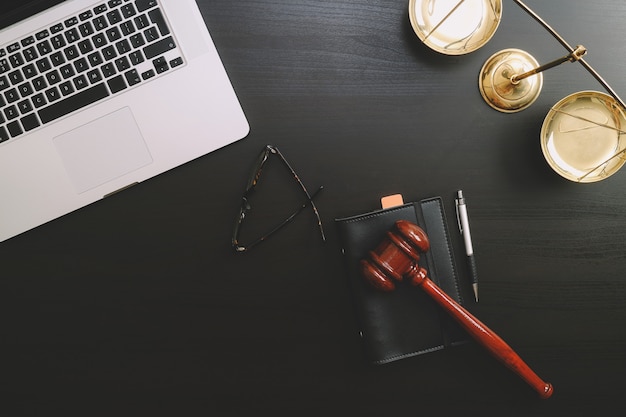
{"points": [[96, 96]]}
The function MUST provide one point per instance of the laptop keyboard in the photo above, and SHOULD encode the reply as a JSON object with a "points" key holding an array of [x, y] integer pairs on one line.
{"points": [[81, 60]]}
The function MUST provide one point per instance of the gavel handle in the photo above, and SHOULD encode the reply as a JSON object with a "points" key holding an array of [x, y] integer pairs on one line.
{"points": [[487, 338]]}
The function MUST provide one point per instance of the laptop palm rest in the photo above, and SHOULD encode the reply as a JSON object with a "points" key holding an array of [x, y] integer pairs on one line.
{"points": [[103, 150]]}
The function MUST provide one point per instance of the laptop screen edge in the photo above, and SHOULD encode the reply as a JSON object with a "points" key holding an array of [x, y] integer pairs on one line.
{"points": [[13, 11]]}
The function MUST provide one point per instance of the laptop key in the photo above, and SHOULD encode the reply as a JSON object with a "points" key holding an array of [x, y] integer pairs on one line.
{"points": [[160, 65], [127, 27], [53, 94], [4, 66], [4, 83], [14, 128], [13, 47], [141, 21], [39, 83], [11, 113], [81, 65], [100, 23], [72, 35], [123, 47], [44, 65], [57, 28], [71, 52], [16, 77], [137, 40], [30, 54], [157, 18], [113, 34], [176, 62], [30, 122], [86, 29], [43, 34], [108, 70], [132, 77], [85, 46], [11, 95], [151, 34], [44, 47], [95, 59], [116, 84], [39, 100], [28, 41], [29, 71], [159, 47], [57, 59], [114, 17], [80, 82], [53, 77], [85, 15], [135, 57], [4, 135], [109, 53], [122, 64], [100, 9], [24, 106], [73, 103], [94, 76], [58, 41], [148, 74], [25, 89], [67, 71], [143, 5], [99, 40], [128, 10], [16, 59], [71, 22], [66, 88]]}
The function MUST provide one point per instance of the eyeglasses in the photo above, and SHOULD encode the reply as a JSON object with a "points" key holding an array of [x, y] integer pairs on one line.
{"points": [[255, 175]]}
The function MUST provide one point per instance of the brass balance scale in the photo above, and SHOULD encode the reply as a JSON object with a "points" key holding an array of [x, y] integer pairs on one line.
{"points": [[582, 136]]}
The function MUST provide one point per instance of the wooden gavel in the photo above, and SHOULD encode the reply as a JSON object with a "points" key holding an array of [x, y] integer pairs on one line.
{"points": [[397, 257]]}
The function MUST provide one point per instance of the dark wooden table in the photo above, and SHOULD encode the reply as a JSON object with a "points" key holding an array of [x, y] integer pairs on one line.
{"points": [[137, 306]]}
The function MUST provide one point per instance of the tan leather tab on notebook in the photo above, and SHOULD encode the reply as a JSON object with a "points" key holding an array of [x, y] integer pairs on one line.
{"points": [[389, 201]]}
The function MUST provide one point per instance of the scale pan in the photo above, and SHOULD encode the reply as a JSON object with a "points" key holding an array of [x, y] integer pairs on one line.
{"points": [[454, 27], [583, 137]]}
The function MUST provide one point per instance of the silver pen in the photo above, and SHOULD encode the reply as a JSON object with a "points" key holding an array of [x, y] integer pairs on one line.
{"points": [[461, 214]]}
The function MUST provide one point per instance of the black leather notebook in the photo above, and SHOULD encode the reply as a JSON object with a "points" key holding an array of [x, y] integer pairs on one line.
{"points": [[405, 322]]}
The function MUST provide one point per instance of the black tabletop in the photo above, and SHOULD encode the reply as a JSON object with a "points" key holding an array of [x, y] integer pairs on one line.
{"points": [[138, 306]]}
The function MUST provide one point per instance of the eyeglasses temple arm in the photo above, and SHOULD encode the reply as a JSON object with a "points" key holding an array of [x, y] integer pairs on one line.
{"points": [[240, 248], [303, 206], [309, 196]]}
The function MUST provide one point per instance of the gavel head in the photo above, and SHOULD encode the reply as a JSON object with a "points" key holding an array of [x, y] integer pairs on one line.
{"points": [[396, 257]]}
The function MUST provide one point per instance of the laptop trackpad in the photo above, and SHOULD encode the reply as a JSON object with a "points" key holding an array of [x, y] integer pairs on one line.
{"points": [[102, 150]]}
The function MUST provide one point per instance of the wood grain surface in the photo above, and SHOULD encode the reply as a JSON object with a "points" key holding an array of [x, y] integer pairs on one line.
{"points": [[137, 306]]}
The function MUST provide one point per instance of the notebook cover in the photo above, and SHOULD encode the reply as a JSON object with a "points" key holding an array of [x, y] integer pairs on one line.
{"points": [[405, 322]]}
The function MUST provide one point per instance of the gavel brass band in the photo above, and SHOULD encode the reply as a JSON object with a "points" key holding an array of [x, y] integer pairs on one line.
{"points": [[396, 258]]}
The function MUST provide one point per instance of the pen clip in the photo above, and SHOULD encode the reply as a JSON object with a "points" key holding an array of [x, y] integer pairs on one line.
{"points": [[458, 214]]}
